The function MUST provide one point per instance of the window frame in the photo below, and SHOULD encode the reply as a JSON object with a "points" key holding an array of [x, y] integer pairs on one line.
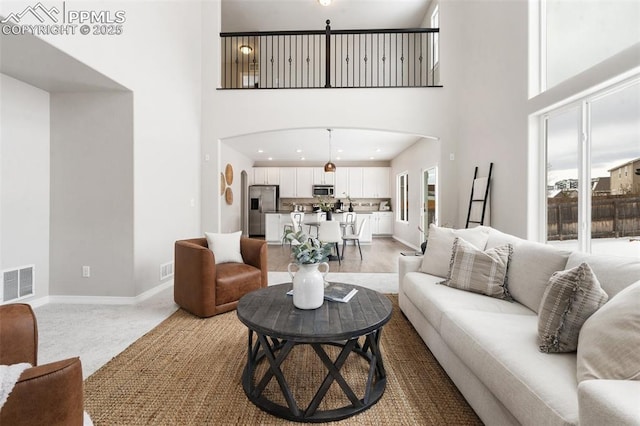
{"points": [[402, 192], [583, 161]]}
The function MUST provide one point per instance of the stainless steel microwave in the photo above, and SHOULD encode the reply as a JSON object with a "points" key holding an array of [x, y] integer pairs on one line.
{"points": [[323, 190]]}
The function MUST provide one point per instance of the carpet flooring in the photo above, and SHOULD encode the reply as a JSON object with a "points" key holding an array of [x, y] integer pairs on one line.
{"points": [[187, 371]]}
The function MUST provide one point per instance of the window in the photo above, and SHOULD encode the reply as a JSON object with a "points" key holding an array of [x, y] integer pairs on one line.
{"points": [[576, 35], [435, 23], [591, 204], [402, 199]]}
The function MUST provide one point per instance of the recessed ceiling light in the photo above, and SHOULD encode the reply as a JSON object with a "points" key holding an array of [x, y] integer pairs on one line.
{"points": [[270, 158], [298, 151], [302, 158], [372, 158], [339, 150], [378, 150], [246, 49], [324, 2], [337, 158], [260, 151]]}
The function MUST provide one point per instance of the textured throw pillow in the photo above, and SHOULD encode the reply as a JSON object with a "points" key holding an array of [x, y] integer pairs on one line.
{"points": [[572, 296], [479, 271], [438, 254], [609, 342], [225, 247]]}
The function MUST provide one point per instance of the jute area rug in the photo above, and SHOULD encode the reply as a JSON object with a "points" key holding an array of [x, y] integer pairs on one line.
{"points": [[187, 371]]}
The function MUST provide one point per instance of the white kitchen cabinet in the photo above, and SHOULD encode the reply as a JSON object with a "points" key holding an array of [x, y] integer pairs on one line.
{"points": [[320, 177], [375, 183], [304, 182], [288, 182], [273, 230], [266, 176], [382, 223], [355, 182], [341, 185]]}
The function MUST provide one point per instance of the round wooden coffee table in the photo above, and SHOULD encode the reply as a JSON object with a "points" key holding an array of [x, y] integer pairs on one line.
{"points": [[276, 327]]}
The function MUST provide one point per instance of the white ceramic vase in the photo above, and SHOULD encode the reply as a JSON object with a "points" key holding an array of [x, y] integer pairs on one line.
{"points": [[308, 285]]}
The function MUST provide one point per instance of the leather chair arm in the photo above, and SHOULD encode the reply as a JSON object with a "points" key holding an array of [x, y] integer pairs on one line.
{"points": [[254, 253], [18, 334], [50, 394], [194, 275]]}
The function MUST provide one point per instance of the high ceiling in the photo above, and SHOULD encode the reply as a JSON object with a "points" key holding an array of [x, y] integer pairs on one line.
{"points": [[312, 145], [282, 15], [277, 15]]}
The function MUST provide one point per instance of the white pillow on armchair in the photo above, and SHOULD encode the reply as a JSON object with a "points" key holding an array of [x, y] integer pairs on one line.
{"points": [[225, 247]]}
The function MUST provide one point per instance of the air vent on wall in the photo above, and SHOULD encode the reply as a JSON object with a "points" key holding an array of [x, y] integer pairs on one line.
{"points": [[17, 283], [166, 270]]}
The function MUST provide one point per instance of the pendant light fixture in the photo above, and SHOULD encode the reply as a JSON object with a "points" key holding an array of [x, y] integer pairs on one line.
{"points": [[329, 167]]}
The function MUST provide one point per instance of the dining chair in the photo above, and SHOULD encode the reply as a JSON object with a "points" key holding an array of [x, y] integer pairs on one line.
{"points": [[350, 221], [354, 237], [295, 225], [329, 233]]}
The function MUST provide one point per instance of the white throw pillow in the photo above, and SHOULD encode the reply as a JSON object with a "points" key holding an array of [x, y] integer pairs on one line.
{"points": [[225, 247], [609, 340], [483, 272], [440, 246]]}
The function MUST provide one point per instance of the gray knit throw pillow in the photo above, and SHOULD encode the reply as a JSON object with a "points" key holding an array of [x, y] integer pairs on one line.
{"points": [[571, 297]]}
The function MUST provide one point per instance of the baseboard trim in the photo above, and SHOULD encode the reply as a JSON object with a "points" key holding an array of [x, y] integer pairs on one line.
{"points": [[107, 300], [406, 243]]}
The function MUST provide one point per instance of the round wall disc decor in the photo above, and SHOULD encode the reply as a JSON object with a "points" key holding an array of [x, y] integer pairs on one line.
{"points": [[228, 173], [223, 184], [228, 195]]}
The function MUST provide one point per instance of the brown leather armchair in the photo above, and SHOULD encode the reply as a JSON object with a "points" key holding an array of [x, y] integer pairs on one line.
{"points": [[206, 289], [49, 394]]}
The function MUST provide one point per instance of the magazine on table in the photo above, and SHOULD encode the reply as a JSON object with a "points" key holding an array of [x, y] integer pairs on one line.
{"points": [[336, 293]]}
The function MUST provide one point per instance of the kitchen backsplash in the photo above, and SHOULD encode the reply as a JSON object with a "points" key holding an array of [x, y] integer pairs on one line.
{"points": [[359, 204]]}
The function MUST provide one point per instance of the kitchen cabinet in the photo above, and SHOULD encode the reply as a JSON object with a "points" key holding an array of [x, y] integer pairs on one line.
{"points": [[288, 182], [382, 223], [266, 176], [320, 177], [273, 230], [355, 182], [366, 231], [375, 182], [304, 182], [341, 185]]}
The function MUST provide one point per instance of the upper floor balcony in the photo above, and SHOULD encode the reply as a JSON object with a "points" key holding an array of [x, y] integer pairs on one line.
{"points": [[329, 58]]}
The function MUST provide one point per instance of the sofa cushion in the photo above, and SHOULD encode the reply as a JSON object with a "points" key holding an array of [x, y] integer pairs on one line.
{"points": [[501, 350], [483, 272], [608, 346], [433, 299], [225, 247], [614, 273], [438, 254], [531, 266], [572, 296]]}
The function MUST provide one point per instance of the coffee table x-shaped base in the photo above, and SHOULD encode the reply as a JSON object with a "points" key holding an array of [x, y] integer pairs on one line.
{"points": [[275, 351]]}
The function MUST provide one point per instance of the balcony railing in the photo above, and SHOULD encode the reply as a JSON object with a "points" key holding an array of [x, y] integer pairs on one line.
{"points": [[324, 59]]}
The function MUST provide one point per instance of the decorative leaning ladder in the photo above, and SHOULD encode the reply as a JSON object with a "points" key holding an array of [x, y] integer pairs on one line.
{"points": [[479, 199]]}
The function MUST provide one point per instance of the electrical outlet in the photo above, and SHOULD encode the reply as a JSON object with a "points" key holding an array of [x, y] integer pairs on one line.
{"points": [[86, 271], [452, 156]]}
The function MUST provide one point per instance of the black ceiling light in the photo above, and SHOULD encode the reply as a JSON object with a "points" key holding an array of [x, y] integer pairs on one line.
{"points": [[329, 167]]}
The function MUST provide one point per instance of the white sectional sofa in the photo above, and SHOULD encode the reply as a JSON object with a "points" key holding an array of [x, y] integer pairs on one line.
{"points": [[489, 347]]}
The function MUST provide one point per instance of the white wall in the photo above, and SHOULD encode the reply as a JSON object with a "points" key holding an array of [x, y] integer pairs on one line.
{"points": [[424, 154], [92, 193], [230, 214], [24, 179], [158, 57], [484, 61]]}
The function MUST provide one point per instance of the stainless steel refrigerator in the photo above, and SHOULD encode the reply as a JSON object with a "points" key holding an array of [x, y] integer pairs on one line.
{"points": [[262, 199]]}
